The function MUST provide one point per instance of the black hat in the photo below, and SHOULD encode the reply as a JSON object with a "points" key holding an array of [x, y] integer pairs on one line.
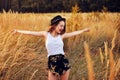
{"points": [[57, 19]]}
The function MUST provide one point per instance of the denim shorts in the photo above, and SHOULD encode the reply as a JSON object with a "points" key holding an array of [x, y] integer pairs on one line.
{"points": [[58, 64]]}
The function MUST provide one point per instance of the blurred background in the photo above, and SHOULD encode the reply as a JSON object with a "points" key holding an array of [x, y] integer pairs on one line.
{"points": [[93, 56], [44, 6]]}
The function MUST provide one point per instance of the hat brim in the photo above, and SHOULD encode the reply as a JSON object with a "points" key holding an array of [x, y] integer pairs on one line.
{"points": [[61, 19]]}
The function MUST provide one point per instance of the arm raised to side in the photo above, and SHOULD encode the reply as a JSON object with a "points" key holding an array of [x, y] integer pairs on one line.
{"points": [[71, 34], [35, 33]]}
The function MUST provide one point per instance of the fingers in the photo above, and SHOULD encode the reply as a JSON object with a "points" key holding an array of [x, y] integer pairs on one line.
{"points": [[14, 31], [87, 29]]}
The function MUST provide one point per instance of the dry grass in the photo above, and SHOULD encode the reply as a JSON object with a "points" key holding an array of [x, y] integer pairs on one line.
{"points": [[89, 62], [24, 57], [112, 62], [101, 56]]}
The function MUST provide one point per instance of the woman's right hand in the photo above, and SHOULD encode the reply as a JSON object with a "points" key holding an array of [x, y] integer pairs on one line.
{"points": [[14, 31], [86, 29]]}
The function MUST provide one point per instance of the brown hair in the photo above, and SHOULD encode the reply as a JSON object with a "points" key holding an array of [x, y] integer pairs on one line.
{"points": [[53, 26]]}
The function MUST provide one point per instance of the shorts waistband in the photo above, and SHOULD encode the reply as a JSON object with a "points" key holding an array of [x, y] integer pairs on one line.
{"points": [[56, 55]]}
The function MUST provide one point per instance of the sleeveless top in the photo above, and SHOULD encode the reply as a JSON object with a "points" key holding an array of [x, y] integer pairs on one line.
{"points": [[54, 45]]}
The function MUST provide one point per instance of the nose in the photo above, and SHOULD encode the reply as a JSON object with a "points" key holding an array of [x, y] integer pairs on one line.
{"points": [[62, 27]]}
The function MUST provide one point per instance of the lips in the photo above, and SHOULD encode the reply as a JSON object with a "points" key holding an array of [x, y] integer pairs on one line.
{"points": [[60, 30]]}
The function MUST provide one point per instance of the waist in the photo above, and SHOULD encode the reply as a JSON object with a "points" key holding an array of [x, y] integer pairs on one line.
{"points": [[56, 55]]}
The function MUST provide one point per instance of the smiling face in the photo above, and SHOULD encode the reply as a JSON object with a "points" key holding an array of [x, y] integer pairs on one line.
{"points": [[60, 27]]}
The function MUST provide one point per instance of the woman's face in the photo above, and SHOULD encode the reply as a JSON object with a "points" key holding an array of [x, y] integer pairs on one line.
{"points": [[60, 27]]}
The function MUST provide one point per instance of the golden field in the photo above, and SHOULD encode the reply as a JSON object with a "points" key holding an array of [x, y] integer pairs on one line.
{"points": [[93, 56]]}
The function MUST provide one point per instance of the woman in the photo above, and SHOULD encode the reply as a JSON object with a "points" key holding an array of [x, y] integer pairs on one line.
{"points": [[58, 64]]}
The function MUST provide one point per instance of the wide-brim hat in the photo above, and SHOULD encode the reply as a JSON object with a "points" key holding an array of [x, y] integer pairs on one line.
{"points": [[57, 19]]}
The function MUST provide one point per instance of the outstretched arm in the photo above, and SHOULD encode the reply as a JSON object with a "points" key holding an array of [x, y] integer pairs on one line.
{"points": [[71, 34], [41, 33]]}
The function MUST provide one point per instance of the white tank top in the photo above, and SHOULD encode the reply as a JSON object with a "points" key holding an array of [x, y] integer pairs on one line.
{"points": [[54, 45]]}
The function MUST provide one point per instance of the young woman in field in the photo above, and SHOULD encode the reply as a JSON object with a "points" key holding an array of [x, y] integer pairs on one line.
{"points": [[58, 64]]}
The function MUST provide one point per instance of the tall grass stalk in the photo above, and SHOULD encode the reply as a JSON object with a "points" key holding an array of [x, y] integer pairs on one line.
{"points": [[89, 62], [33, 74], [112, 62], [101, 56], [117, 67], [106, 50]]}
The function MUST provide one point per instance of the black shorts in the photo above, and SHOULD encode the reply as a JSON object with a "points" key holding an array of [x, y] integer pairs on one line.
{"points": [[58, 64]]}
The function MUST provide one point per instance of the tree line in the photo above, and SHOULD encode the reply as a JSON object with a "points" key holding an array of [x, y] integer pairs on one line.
{"points": [[59, 5]]}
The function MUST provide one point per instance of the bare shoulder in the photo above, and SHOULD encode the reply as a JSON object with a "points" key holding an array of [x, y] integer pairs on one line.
{"points": [[63, 35], [44, 33]]}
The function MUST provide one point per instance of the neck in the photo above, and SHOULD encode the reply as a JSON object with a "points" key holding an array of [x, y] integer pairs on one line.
{"points": [[54, 34]]}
